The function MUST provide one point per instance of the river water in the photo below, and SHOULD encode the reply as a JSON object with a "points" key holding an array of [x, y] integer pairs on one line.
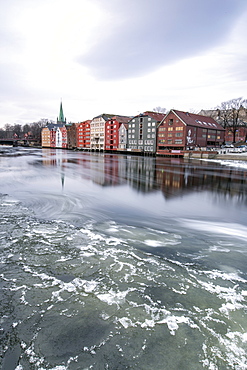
{"points": [[121, 262]]}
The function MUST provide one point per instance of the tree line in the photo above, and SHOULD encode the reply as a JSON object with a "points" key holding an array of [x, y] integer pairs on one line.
{"points": [[31, 131]]}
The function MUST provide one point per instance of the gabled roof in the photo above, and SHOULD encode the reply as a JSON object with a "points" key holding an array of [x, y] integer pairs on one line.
{"points": [[122, 119], [125, 125], [158, 117], [52, 126], [197, 120], [155, 115], [105, 116]]}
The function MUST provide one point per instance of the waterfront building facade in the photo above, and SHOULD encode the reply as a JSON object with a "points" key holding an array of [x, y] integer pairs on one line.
{"points": [[123, 136], [83, 130], [46, 137], [72, 136], [142, 132], [112, 126], [54, 135], [97, 134], [182, 131]]}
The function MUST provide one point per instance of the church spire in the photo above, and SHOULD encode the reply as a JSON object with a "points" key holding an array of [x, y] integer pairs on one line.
{"points": [[61, 118]]}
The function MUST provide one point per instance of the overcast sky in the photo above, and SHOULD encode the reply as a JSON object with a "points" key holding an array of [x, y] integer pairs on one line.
{"points": [[119, 56]]}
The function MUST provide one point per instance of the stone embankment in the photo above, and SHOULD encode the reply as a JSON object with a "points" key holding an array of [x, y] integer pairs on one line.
{"points": [[220, 154]]}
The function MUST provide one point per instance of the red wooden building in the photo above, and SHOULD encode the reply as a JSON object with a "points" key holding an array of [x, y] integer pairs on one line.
{"points": [[112, 126], [83, 132], [182, 131]]}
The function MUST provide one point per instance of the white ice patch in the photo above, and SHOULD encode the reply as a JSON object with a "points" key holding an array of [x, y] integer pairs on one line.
{"points": [[113, 297], [91, 235], [126, 322], [161, 243], [44, 230], [173, 321], [113, 229], [153, 243], [216, 248]]}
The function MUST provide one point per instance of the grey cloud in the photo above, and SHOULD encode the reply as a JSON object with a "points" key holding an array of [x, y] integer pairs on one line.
{"points": [[149, 34]]}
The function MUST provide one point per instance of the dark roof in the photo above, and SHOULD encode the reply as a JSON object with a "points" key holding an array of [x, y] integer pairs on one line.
{"points": [[122, 119], [51, 126], [158, 117], [198, 120], [155, 115], [105, 116]]}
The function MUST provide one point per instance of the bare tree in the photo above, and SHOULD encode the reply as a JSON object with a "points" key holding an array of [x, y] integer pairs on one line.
{"points": [[231, 113], [159, 110]]}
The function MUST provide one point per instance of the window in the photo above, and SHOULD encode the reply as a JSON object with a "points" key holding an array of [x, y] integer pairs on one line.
{"points": [[170, 128], [149, 129], [170, 122], [179, 128], [178, 134], [169, 134], [153, 129], [153, 123], [149, 123], [149, 118], [178, 141], [169, 141]]}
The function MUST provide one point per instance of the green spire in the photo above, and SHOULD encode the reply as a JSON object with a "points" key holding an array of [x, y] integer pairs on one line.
{"points": [[61, 115]]}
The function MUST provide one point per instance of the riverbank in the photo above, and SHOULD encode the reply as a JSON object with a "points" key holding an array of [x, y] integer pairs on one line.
{"points": [[216, 155]]}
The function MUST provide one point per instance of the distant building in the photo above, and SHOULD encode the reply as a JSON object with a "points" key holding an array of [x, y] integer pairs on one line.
{"points": [[60, 119], [54, 135], [142, 131], [72, 136], [183, 130]]}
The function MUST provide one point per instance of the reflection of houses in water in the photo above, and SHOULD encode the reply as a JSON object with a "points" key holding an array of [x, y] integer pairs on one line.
{"points": [[141, 173], [53, 157], [174, 177], [189, 176], [114, 170]]}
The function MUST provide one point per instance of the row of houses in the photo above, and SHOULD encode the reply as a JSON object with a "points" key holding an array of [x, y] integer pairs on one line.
{"points": [[149, 132]]}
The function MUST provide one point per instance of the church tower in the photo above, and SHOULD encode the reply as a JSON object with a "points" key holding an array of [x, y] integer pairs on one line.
{"points": [[60, 118]]}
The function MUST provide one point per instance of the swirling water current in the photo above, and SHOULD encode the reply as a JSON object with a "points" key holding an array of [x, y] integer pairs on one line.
{"points": [[121, 262]]}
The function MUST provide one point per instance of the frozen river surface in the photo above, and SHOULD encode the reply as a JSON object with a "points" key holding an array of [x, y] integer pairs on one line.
{"points": [[121, 262]]}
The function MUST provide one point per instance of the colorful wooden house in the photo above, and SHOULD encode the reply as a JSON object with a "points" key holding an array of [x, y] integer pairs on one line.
{"points": [[183, 130], [142, 132], [112, 126], [83, 130]]}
